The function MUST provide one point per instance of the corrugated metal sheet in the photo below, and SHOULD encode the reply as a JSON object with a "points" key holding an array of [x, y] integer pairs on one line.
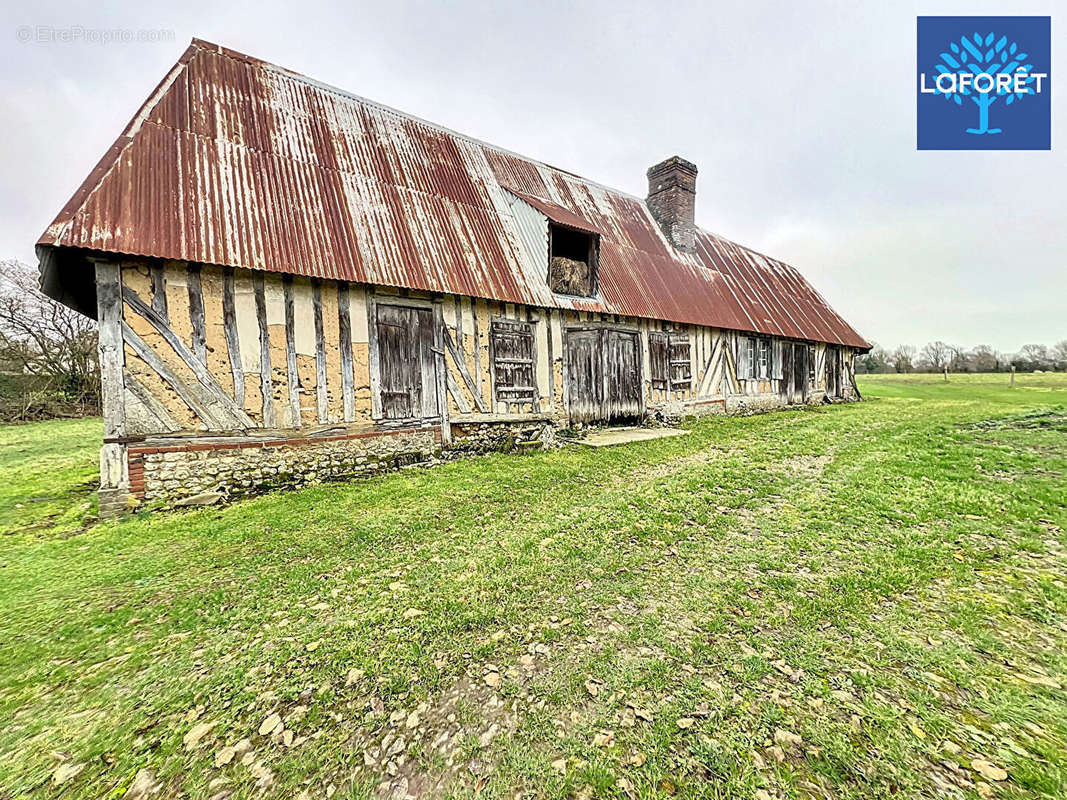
{"points": [[237, 162]]}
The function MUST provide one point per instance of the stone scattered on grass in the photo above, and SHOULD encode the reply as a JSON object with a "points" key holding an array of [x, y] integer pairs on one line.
{"points": [[272, 723], [604, 739], [144, 784], [989, 771], [202, 499], [353, 676], [66, 772], [224, 756], [787, 738], [196, 733]]}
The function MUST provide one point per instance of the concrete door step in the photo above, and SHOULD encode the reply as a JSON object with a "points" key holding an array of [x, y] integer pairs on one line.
{"points": [[613, 436]]}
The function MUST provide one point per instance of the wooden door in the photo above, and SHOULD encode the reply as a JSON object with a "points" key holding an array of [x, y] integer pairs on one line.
{"points": [[407, 380], [585, 375], [604, 375], [800, 373], [833, 372], [785, 384], [622, 376]]}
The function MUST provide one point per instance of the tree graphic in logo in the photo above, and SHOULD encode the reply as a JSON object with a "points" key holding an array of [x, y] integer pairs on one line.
{"points": [[994, 73]]}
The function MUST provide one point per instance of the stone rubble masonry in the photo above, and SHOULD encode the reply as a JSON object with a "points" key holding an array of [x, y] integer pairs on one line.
{"points": [[163, 473]]}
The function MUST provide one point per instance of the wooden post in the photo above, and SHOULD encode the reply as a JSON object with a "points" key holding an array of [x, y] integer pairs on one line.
{"points": [[946, 373], [114, 470], [196, 313], [266, 385], [233, 342], [1012, 376], [290, 351], [440, 367], [344, 329], [322, 399]]}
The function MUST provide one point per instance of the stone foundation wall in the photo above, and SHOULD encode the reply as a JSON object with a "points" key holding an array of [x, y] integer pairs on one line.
{"points": [[749, 404], [484, 437], [674, 411], [173, 472]]}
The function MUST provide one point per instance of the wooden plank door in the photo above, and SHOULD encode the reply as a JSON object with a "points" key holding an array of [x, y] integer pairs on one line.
{"points": [[585, 375], [785, 385], [833, 372], [407, 374], [622, 376], [800, 373]]}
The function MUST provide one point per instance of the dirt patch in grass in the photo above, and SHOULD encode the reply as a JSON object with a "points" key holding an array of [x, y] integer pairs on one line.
{"points": [[1044, 419]]}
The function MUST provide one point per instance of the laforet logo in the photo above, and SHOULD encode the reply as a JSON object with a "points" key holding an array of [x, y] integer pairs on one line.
{"points": [[984, 83]]}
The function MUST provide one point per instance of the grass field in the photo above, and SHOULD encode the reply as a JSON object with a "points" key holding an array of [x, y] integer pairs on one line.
{"points": [[860, 601]]}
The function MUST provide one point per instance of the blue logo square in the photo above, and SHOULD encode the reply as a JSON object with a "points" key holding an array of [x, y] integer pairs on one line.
{"points": [[984, 83]]}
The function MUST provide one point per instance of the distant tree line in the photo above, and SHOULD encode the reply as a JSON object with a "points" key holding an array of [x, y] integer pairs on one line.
{"points": [[940, 356]]}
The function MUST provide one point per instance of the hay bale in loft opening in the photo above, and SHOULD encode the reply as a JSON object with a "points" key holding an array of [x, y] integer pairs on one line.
{"points": [[568, 276]]}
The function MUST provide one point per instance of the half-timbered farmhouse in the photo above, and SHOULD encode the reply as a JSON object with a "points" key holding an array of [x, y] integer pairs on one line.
{"points": [[293, 283]]}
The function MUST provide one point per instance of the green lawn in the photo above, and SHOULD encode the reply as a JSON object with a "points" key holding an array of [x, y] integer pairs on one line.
{"points": [[859, 601], [50, 473]]}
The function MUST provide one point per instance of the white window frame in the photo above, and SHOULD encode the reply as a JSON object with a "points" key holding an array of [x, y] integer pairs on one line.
{"points": [[763, 359]]}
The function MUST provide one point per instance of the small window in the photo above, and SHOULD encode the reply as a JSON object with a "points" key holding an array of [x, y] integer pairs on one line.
{"points": [[513, 360], [811, 366], [680, 361], [746, 358], [763, 359], [572, 261]]}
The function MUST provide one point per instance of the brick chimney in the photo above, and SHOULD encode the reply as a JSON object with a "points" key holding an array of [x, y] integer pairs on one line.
{"points": [[672, 198]]}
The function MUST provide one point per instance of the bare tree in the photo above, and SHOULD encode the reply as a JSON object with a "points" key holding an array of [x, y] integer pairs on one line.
{"points": [[1059, 355], [984, 359], [877, 360], [957, 358], [935, 355], [44, 338], [1033, 356], [902, 358]]}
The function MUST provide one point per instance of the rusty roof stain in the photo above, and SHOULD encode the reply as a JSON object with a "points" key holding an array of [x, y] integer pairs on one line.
{"points": [[237, 162]]}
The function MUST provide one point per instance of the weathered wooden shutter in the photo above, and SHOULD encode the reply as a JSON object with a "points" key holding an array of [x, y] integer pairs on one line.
{"points": [[744, 358], [680, 361], [513, 360], [776, 357], [658, 360]]}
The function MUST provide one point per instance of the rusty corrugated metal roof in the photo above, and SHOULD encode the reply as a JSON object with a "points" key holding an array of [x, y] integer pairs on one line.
{"points": [[557, 213], [237, 162]]}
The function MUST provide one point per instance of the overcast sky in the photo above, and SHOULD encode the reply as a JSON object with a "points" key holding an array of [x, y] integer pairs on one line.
{"points": [[800, 116]]}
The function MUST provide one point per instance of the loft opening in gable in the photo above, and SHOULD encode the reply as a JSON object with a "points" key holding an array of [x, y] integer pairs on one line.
{"points": [[572, 260]]}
